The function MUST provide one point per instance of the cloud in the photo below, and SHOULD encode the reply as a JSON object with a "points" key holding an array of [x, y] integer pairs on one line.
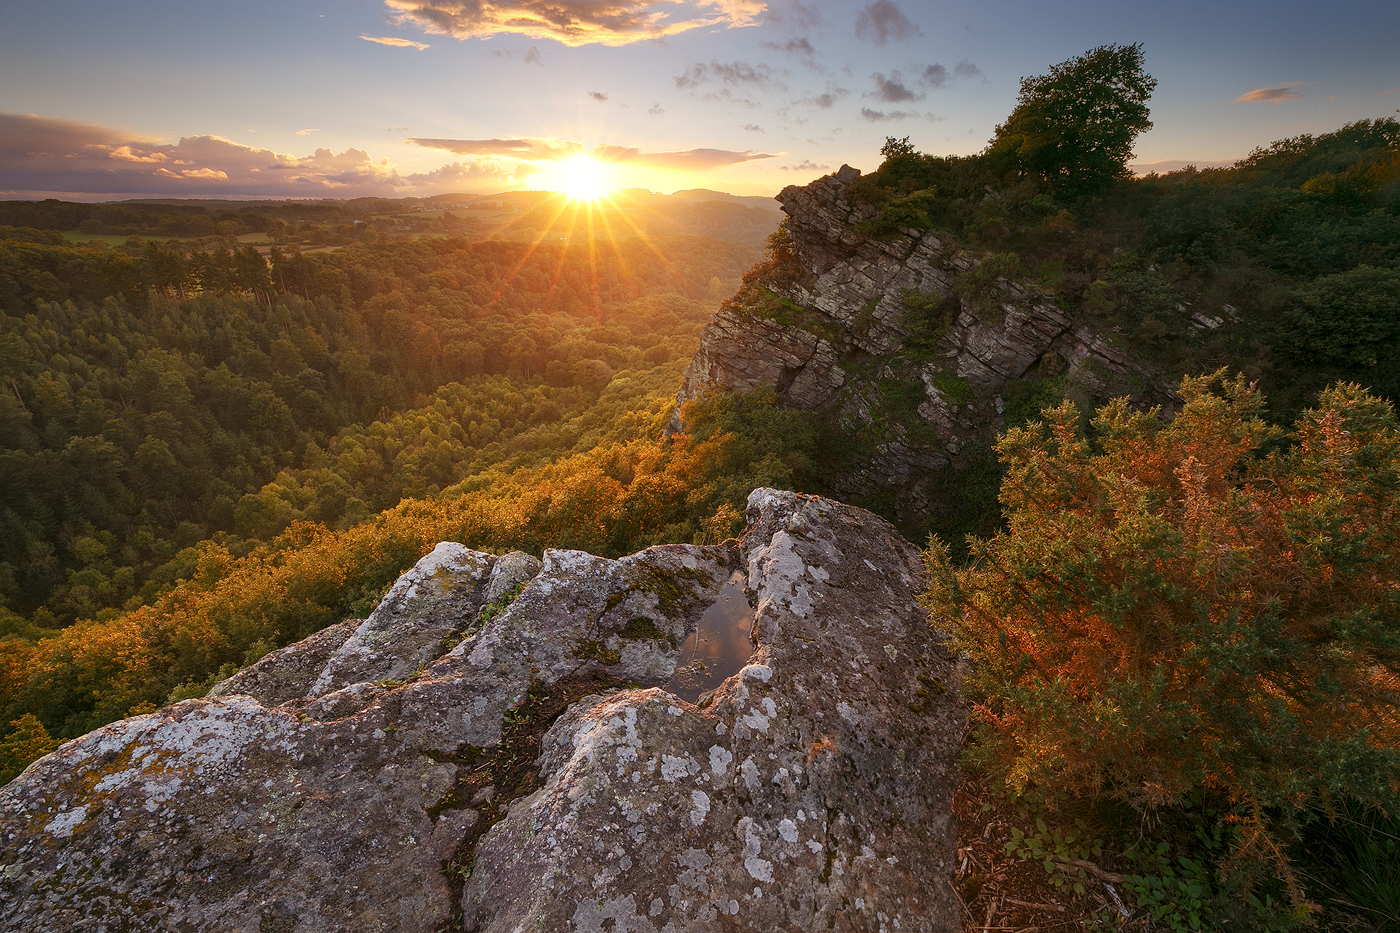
{"points": [[43, 157], [892, 89], [753, 128], [308, 132], [1380, 93], [735, 74], [877, 116], [935, 76], [882, 21], [599, 96], [827, 100], [125, 154], [1273, 95], [794, 15], [938, 76], [524, 148], [806, 165], [574, 22], [798, 45], [460, 174], [533, 149], [656, 109], [396, 42], [532, 57], [688, 160]]}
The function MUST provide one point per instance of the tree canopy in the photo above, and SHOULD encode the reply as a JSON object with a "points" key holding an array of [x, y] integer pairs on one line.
{"points": [[1075, 126]]}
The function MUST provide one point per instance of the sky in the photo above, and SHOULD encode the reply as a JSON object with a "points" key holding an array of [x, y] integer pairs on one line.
{"points": [[109, 99]]}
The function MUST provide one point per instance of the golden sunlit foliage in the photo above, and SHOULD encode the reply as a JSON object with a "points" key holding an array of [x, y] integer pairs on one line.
{"points": [[1191, 605], [610, 500]]}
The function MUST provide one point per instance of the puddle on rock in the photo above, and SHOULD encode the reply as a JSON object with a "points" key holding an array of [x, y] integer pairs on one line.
{"points": [[718, 648]]}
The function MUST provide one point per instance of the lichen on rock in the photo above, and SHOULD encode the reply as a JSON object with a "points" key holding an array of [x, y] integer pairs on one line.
{"points": [[412, 786]]}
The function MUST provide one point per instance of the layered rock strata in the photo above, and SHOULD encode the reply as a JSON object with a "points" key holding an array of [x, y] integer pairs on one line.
{"points": [[831, 331], [385, 776]]}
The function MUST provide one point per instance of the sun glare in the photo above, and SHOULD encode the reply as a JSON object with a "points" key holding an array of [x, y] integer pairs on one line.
{"points": [[584, 178]]}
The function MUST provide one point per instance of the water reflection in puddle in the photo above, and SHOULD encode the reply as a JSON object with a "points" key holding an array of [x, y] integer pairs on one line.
{"points": [[718, 647]]}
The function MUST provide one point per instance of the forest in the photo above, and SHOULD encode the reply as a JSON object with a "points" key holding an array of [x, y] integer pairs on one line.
{"points": [[210, 452]]}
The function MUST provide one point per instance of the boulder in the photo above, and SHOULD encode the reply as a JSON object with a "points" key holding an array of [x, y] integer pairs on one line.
{"points": [[508, 744]]}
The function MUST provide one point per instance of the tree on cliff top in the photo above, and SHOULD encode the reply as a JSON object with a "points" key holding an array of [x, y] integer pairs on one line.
{"points": [[1075, 126]]}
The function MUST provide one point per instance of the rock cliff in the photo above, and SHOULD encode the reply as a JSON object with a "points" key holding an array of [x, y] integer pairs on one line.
{"points": [[878, 332], [754, 736]]}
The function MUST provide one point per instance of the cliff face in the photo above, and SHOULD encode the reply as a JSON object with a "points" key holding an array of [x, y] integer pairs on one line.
{"points": [[754, 736], [875, 331]]}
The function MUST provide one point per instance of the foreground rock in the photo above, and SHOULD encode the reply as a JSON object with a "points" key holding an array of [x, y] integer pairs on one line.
{"points": [[476, 753]]}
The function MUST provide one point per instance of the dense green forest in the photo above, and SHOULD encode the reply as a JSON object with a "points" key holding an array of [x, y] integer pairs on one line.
{"points": [[210, 450], [152, 401]]}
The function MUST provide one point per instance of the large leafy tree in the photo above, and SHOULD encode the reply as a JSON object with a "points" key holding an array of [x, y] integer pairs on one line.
{"points": [[1075, 126], [1172, 610]]}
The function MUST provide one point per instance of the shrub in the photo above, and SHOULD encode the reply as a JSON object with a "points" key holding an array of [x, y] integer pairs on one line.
{"points": [[1172, 609]]}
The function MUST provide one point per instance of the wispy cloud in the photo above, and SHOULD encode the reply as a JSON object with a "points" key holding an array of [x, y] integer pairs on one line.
{"points": [[880, 116], [734, 74], [800, 46], [794, 14], [1273, 95], [882, 21], [574, 22], [533, 149], [1381, 93], [687, 160], [826, 100], [600, 96], [309, 131], [525, 147], [396, 42]]}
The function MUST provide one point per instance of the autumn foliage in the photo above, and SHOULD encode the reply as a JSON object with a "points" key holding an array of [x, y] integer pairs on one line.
{"points": [[1194, 604]]}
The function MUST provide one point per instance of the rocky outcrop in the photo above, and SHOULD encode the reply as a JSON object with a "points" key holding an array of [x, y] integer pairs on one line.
{"points": [[831, 331], [504, 745]]}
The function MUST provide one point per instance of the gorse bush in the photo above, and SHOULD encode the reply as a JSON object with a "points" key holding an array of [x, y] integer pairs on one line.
{"points": [[1198, 604]]}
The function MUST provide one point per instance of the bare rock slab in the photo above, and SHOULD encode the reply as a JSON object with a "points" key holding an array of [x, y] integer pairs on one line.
{"points": [[439, 778]]}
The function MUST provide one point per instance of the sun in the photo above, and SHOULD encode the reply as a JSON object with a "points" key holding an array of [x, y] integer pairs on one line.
{"points": [[584, 178]]}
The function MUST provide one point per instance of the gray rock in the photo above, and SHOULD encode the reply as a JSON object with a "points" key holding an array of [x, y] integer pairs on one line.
{"points": [[812, 793], [509, 573], [288, 673], [439, 597], [843, 307], [362, 806]]}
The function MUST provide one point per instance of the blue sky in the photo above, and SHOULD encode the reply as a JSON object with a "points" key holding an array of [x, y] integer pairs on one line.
{"points": [[289, 98]]}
